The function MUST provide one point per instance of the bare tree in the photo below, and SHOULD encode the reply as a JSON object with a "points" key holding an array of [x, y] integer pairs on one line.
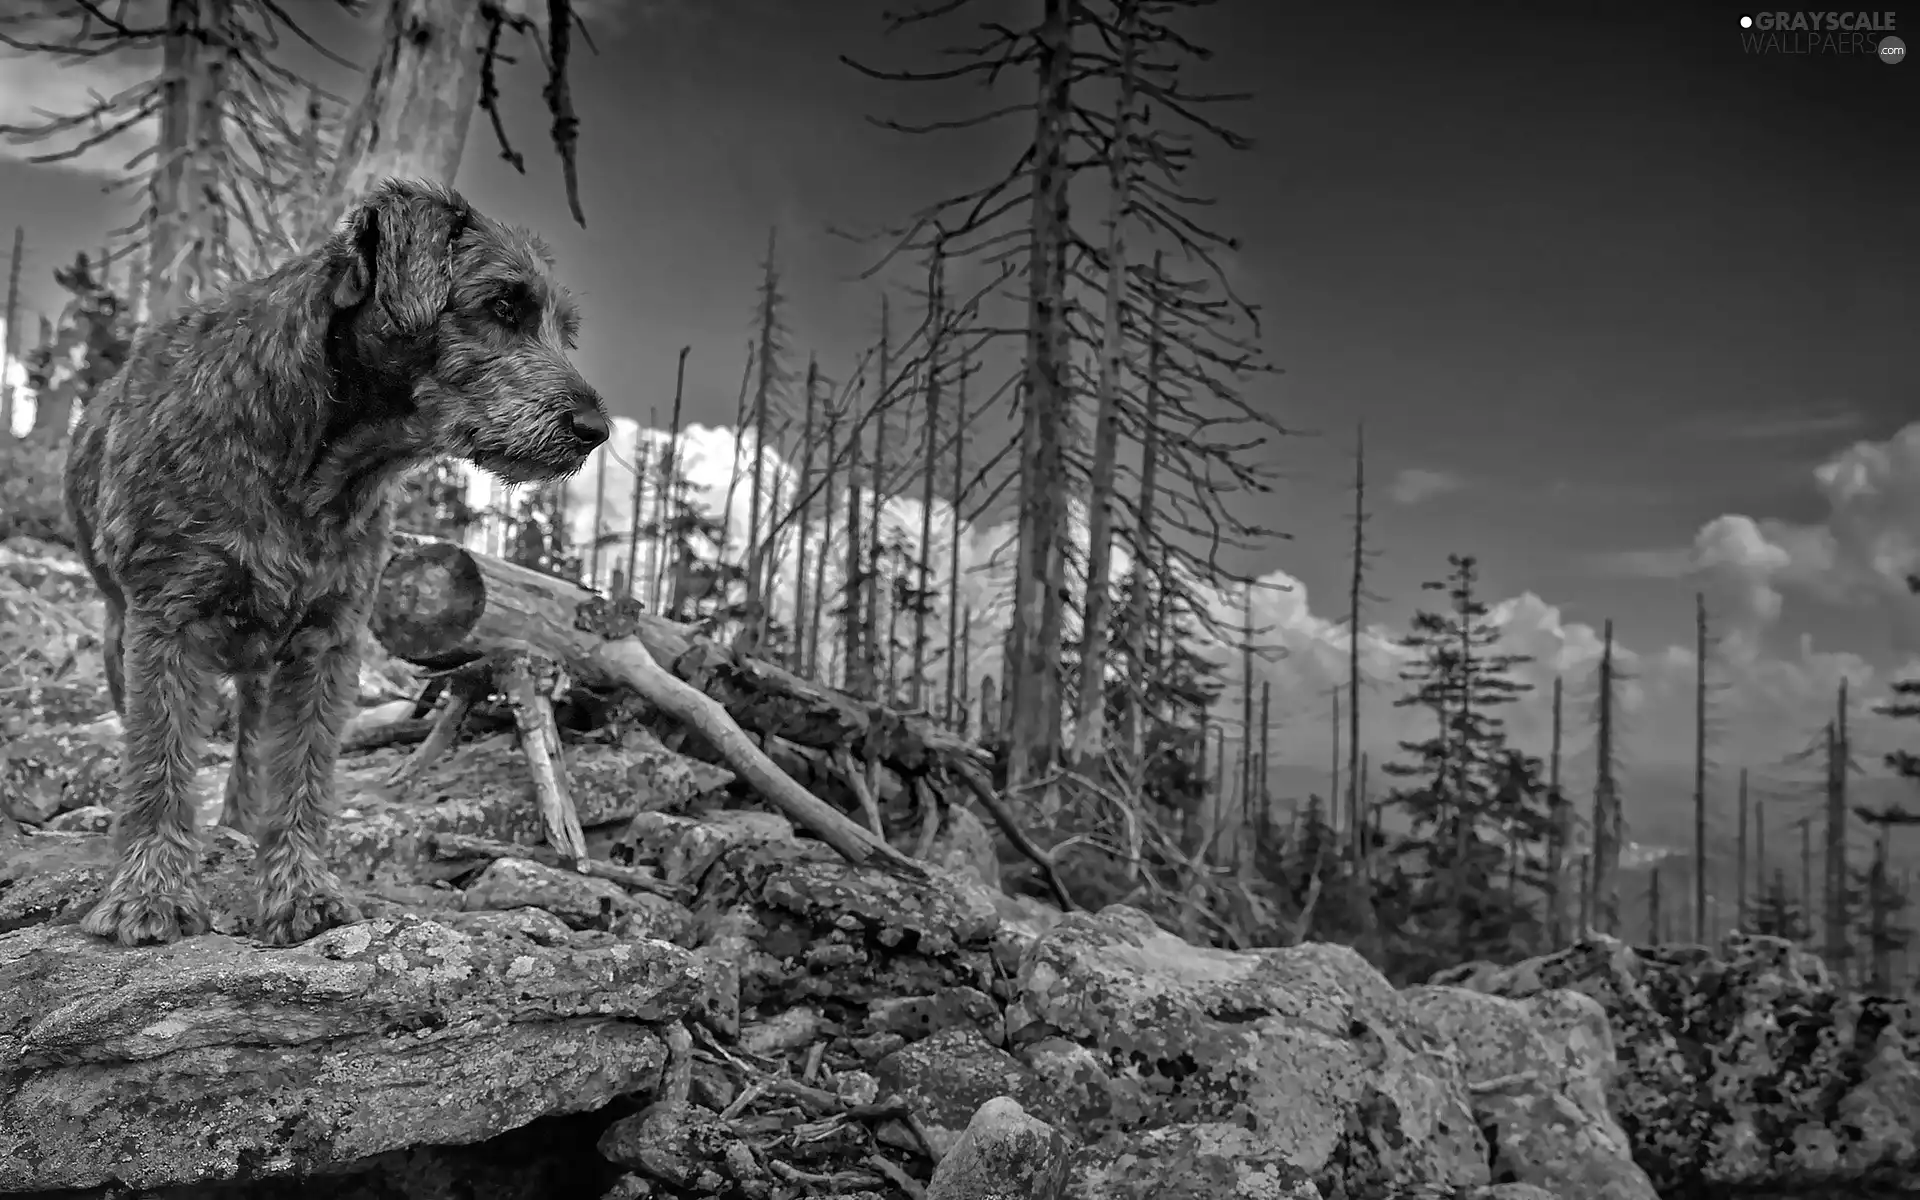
{"points": [[772, 377], [936, 329]]}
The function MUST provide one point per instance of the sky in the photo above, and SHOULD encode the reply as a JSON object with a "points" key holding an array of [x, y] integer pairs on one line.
{"points": [[1620, 305]]}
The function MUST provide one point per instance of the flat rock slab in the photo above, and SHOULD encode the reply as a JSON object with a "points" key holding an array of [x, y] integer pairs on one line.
{"points": [[218, 1059]]}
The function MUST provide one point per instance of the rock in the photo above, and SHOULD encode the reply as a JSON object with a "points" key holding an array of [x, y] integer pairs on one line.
{"points": [[800, 923], [94, 818], [376, 716], [581, 901], [1745, 1069], [1303, 1056], [949, 1008], [658, 917], [55, 877], [52, 769], [1003, 1155], [217, 1059], [965, 845], [667, 1143], [1536, 1076], [947, 1077], [1197, 1161], [685, 847], [485, 791]]}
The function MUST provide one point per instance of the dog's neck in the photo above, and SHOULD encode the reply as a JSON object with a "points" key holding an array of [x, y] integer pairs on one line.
{"points": [[369, 430]]}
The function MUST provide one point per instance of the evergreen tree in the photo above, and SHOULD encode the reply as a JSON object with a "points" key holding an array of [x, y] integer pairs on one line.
{"points": [[1477, 809], [1777, 913], [91, 342]]}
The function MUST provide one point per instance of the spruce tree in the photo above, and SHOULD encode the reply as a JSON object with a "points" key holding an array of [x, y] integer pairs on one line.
{"points": [[1477, 809]]}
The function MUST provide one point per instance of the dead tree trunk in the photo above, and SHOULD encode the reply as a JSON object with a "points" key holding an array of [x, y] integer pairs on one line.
{"points": [[796, 655], [870, 573], [1090, 717], [855, 676], [411, 121], [1607, 829], [758, 586], [183, 247], [916, 689], [11, 352], [954, 672], [669, 470], [832, 497], [1145, 573], [1033, 675]]}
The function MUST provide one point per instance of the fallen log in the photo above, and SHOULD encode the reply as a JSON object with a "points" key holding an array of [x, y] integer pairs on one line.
{"points": [[442, 606]]}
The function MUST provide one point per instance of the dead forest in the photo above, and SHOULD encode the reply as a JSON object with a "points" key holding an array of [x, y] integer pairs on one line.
{"points": [[1059, 352]]}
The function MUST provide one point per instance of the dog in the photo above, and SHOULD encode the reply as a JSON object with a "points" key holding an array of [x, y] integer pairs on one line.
{"points": [[232, 489]]}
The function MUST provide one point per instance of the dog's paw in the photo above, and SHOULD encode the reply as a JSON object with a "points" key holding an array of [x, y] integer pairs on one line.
{"points": [[288, 918], [134, 918]]}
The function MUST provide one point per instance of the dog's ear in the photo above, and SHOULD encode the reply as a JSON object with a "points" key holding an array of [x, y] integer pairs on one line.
{"points": [[398, 254]]}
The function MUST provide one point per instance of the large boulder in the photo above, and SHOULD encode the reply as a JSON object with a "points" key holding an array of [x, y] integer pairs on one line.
{"points": [[216, 1058], [1747, 1068], [1181, 1067]]}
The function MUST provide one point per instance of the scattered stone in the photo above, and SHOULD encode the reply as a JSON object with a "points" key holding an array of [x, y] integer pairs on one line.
{"points": [[1004, 1154], [581, 901], [947, 1077]]}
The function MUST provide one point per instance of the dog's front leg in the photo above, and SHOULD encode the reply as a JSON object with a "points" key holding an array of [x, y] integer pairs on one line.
{"points": [[307, 704], [170, 695]]}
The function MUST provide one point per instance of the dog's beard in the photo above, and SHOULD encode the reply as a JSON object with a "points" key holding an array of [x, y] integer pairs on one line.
{"points": [[516, 468]]}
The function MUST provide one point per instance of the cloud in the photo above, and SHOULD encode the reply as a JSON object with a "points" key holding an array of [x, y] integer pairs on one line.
{"points": [[1763, 701], [1413, 485], [1828, 422], [1858, 555]]}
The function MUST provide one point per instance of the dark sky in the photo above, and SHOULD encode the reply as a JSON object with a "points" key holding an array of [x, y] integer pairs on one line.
{"points": [[1600, 269]]}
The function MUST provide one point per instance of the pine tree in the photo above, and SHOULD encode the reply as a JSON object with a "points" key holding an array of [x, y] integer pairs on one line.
{"points": [[1478, 810], [1777, 912]]}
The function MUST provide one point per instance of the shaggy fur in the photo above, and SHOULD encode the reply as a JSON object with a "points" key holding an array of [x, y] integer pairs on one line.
{"points": [[231, 490]]}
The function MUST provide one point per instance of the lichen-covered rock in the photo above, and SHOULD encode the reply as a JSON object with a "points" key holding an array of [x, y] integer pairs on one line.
{"points": [[55, 876], [1536, 1073], [801, 925], [669, 1143], [1747, 1068], [216, 1059], [1206, 1160], [485, 791], [1306, 1055], [54, 768], [582, 901], [1005, 1154], [947, 1077]]}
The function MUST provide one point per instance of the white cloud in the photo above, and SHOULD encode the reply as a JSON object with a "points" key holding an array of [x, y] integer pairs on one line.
{"points": [[1416, 484], [1858, 555], [1762, 701]]}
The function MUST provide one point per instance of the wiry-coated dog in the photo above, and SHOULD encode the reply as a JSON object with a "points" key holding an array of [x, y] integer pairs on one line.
{"points": [[231, 490]]}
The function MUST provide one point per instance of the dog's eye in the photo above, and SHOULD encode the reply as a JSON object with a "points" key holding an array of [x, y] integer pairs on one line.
{"points": [[506, 312]]}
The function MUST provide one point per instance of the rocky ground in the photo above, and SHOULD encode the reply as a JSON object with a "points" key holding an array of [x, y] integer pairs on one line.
{"points": [[734, 1011]]}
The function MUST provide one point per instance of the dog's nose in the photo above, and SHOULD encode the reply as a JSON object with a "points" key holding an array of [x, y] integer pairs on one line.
{"points": [[590, 427]]}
